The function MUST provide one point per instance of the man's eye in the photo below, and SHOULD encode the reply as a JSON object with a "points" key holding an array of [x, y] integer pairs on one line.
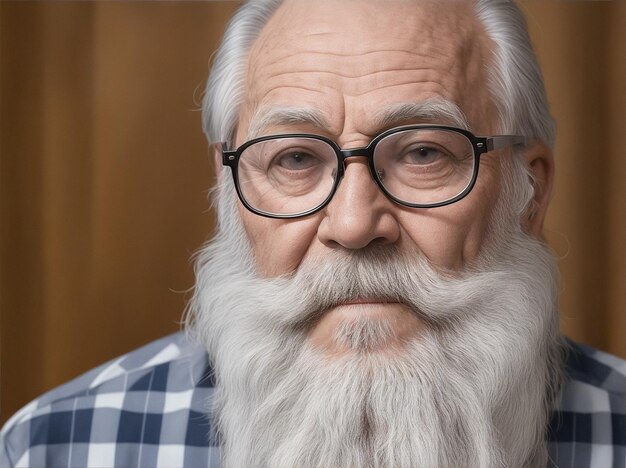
{"points": [[297, 161], [422, 155]]}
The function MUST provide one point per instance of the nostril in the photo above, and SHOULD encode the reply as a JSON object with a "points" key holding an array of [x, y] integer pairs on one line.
{"points": [[381, 240]]}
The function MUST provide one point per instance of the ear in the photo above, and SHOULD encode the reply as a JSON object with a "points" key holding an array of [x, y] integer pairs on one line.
{"points": [[540, 162], [216, 150]]}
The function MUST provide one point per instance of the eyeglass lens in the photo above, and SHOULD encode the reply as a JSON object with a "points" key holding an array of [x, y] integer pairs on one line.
{"points": [[288, 175]]}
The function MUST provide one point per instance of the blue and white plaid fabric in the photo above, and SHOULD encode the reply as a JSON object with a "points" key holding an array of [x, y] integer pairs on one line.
{"points": [[149, 408]]}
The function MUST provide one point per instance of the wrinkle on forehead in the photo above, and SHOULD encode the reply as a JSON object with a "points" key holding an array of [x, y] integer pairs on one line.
{"points": [[315, 47]]}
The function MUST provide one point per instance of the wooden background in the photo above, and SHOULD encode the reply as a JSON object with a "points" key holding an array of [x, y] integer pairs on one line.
{"points": [[104, 172]]}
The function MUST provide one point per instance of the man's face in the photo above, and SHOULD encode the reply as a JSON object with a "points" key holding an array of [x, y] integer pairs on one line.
{"points": [[352, 67], [315, 363]]}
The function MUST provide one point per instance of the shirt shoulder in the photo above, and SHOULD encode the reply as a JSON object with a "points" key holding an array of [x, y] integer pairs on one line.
{"points": [[146, 408], [588, 428]]}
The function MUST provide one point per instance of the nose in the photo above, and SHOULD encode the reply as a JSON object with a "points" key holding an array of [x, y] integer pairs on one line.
{"points": [[359, 213]]}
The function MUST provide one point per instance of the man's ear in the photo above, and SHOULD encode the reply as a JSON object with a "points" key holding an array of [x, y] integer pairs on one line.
{"points": [[540, 161], [216, 149]]}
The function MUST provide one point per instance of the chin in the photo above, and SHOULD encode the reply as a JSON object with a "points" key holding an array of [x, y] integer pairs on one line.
{"points": [[365, 327]]}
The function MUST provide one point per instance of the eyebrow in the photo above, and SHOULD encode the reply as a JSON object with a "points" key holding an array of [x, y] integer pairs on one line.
{"points": [[282, 116], [440, 111]]}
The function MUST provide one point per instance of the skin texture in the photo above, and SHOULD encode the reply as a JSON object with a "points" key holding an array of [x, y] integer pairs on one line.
{"points": [[363, 57]]}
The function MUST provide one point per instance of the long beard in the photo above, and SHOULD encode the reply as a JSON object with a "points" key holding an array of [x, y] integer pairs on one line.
{"points": [[474, 388]]}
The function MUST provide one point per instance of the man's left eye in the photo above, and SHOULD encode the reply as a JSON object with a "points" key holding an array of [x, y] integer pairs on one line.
{"points": [[422, 155]]}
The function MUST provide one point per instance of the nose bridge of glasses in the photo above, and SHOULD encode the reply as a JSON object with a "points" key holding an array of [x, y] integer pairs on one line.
{"points": [[363, 152], [355, 152]]}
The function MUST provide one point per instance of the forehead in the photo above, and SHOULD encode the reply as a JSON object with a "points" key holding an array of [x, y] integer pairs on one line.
{"points": [[349, 58]]}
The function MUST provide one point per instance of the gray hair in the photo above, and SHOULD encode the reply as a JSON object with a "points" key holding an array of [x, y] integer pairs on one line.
{"points": [[514, 81], [225, 88]]}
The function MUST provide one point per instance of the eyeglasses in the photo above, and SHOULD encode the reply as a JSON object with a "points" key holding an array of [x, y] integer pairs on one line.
{"points": [[418, 166]]}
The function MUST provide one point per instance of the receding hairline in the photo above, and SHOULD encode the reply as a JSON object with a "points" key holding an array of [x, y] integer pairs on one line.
{"points": [[448, 112]]}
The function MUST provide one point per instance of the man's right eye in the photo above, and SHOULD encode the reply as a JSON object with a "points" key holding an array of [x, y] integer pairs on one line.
{"points": [[296, 161]]}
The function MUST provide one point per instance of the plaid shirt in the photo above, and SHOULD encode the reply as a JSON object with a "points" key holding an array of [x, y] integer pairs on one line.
{"points": [[149, 408]]}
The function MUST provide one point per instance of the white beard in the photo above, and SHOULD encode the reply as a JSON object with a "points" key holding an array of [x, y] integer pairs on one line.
{"points": [[474, 388]]}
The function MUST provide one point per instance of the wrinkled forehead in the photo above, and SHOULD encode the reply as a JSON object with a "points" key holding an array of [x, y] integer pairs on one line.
{"points": [[437, 43]]}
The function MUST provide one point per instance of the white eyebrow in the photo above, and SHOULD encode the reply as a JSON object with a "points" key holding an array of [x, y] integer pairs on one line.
{"points": [[281, 116], [439, 111]]}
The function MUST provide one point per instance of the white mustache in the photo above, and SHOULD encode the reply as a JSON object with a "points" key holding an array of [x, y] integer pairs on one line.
{"points": [[377, 272]]}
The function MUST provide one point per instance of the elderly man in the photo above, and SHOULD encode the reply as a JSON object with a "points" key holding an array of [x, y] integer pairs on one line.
{"points": [[378, 293]]}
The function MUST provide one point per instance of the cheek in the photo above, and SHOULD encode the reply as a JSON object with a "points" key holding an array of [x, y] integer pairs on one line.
{"points": [[453, 235], [278, 245], [448, 238]]}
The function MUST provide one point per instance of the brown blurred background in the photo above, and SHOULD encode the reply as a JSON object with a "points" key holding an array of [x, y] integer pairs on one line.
{"points": [[104, 173]]}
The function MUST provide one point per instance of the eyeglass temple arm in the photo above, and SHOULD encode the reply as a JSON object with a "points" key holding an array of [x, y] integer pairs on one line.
{"points": [[504, 141], [222, 148]]}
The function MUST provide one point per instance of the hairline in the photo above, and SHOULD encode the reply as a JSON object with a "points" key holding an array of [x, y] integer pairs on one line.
{"points": [[514, 67]]}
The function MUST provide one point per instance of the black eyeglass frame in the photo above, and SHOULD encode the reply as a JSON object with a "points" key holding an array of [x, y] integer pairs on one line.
{"points": [[480, 145]]}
